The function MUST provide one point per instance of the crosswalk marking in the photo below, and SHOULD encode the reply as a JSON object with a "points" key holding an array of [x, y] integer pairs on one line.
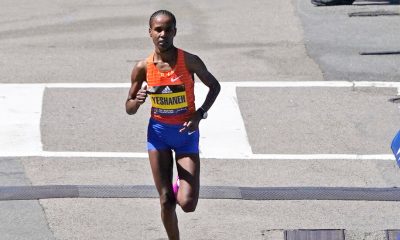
{"points": [[223, 134], [289, 84], [20, 110], [252, 156]]}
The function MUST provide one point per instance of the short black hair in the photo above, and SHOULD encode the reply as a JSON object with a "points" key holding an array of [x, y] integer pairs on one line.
{"points": [[162, 12]]}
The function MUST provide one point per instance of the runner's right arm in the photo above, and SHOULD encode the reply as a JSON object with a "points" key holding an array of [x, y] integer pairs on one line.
{"points": [[137, 95]]}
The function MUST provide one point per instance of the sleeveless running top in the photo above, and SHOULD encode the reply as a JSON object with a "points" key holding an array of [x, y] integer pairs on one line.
{"points": [[171, 92]]}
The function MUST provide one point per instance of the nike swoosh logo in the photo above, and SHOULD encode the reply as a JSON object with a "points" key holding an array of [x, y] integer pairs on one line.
{"points": [[175, 79], [190, 133], [398, 152]]}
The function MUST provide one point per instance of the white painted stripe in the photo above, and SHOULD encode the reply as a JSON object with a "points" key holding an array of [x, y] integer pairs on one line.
{"points": [[378, 84], [315, 84], [20, 128], [223, 134], [76, 154], [224, 84], [383, 157], [95, 154], [69, 85], [293, 84], [323, 156], [20, 108], [88, 85]]}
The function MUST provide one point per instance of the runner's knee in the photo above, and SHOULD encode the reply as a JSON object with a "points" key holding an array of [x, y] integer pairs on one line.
{"points": [[167, 202], [188, 205]]}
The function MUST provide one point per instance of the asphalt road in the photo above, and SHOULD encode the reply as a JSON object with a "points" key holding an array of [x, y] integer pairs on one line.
{"points": [[300, 107]]}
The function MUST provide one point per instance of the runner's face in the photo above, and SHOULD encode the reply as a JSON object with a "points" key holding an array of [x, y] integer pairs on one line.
{"points": [[162, 32]]}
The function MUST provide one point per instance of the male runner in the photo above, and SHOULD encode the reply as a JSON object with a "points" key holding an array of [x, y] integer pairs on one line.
{"points": [[174, 123]]}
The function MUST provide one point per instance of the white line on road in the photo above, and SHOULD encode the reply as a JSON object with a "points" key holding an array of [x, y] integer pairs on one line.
{"points": [[224, 84], [299, 84], [20, 111], [382, 157], [223, 135], [20, 122]]}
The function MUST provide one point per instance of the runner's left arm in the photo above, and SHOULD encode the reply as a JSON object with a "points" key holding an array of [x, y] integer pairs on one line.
{"points": [[197, 66], [200, 69]]}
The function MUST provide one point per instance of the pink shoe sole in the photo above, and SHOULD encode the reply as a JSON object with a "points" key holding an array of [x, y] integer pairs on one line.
{"points": [[175, 187]]}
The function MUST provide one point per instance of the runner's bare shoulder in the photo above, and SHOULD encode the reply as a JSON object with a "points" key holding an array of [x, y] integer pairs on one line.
{"points": [[139, 71], [141, 65], [193, 62]]}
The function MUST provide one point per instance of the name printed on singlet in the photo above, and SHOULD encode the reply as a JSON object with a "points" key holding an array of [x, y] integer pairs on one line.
{"points": [[168, 100]]}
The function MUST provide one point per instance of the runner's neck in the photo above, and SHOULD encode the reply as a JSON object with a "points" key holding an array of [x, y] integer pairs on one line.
{"points": [[170, 56]]}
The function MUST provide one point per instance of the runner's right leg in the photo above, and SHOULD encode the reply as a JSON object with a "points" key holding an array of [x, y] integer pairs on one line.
{"points": [[161, 162]]}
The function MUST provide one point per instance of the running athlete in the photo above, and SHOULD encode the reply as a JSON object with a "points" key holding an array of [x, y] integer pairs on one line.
{"points": [[167, 78]]}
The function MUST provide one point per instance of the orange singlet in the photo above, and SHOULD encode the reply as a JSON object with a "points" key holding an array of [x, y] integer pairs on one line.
{"points": [[171, 92]]}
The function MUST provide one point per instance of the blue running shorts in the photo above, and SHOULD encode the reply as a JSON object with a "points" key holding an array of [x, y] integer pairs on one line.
{"points": [[162, 136]]}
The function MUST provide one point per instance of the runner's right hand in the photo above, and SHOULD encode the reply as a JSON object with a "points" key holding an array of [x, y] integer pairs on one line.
{"points": [[141, 95]]}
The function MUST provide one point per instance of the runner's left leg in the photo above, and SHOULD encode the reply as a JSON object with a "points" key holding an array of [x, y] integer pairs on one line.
{"points": [[188, 166]]}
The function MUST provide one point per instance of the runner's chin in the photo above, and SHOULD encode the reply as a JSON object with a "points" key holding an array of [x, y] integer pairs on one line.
{"points": [[163, 44]]}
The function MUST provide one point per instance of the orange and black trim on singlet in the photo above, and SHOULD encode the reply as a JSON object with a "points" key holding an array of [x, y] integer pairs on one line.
{"points": [[171, 92]]}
